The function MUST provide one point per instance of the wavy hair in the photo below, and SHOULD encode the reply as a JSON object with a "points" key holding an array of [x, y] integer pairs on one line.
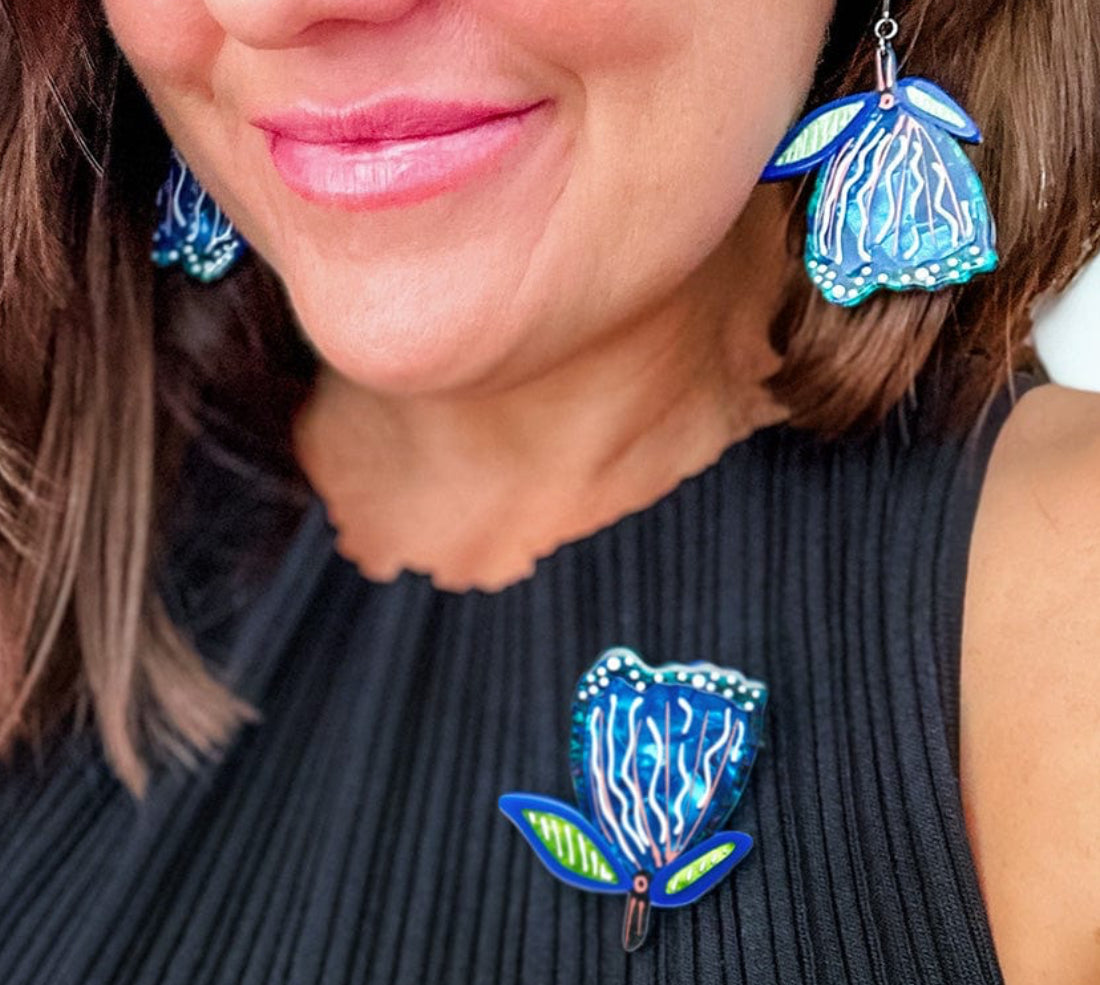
{"points": [[110, 370]]}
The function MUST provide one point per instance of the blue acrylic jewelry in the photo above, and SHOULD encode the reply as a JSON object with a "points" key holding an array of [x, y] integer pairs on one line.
{"points": [[897, 203], [193, 231], [659, 758]]}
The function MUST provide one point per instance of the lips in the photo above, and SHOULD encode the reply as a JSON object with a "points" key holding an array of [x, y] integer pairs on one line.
{"points": [[398, 119], [393, 153]]}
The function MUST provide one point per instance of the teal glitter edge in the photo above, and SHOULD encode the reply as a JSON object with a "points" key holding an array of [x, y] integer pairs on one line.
{"points": [[967, 264]]}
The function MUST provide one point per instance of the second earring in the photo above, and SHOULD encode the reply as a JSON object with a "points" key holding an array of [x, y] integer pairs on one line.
{"points": [[193, 231], [897, 204]]}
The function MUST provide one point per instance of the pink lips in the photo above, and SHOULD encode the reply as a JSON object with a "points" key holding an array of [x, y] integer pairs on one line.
{"points": [[394, 153]]}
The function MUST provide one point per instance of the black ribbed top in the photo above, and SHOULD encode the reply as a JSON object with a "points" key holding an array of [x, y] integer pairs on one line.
{"points": [[353, 836]]}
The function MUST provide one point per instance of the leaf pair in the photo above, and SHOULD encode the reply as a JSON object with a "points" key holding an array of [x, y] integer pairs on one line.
{"points": [[576, 853], [819, 135]]}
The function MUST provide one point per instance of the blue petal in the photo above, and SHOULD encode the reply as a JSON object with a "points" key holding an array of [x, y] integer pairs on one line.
{"points": [[660, 756], [899, 206]]}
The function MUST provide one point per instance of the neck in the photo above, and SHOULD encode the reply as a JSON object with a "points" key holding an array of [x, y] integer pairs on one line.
{"points": [[473, 486]]}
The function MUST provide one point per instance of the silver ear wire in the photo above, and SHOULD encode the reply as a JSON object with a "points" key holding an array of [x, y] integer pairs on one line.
{"points": [[886, 28]]}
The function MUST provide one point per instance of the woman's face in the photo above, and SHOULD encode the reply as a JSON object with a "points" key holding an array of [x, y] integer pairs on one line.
{"points": [[419, 261]]}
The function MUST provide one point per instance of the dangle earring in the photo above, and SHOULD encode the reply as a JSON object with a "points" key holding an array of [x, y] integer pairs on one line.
{"points": [[193, 231], [897, 203]]}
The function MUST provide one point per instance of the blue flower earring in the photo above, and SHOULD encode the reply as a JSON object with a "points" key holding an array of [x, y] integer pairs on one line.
{"points": [[897, 204], [660, 756], [193, 231]]}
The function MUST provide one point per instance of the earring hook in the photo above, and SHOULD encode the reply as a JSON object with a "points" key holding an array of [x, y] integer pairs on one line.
{"points": [[886, 28]]}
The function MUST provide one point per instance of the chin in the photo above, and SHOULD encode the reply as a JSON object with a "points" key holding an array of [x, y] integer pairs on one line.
{"points": [[402, 352]]}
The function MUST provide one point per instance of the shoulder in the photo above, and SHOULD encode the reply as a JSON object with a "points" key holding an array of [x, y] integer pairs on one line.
{"points": [[1053, 432], [1036, 536], [1030, 688]]}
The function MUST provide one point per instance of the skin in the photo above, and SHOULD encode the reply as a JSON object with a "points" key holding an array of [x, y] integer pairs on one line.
{"points": [[1030, 690], [522, 360], [472, 329]]}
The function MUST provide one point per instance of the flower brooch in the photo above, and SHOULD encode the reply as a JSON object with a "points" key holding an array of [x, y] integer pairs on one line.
{"points": [[659, 758]]}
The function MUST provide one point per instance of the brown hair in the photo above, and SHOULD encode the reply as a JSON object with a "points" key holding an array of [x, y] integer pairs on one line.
{"points": [[108, 371]]}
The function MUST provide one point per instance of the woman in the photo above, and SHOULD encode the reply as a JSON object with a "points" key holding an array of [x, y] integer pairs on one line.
{"points": [[521, 364]]}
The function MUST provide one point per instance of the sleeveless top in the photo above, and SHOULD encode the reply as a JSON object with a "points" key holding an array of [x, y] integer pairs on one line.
{"points": [[352, 837]]}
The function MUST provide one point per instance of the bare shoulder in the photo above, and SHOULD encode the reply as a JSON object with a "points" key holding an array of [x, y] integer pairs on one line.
{"points": [[1030, 689], [1037, 532]]}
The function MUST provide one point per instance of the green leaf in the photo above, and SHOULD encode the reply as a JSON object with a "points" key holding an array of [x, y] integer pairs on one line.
{"points": [[695, 870], [935, 107], [570, 846], [818, 132]]}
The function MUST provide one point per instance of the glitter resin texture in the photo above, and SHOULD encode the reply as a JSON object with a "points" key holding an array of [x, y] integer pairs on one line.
{"points": [[659, 758], [897, 203], [193, 231]]}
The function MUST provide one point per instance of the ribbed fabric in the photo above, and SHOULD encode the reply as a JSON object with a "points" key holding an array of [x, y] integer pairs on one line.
{"points": [[353, 836]]}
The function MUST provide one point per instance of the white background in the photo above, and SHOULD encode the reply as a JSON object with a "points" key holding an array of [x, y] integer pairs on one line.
{"points": [[1067, 331]]}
